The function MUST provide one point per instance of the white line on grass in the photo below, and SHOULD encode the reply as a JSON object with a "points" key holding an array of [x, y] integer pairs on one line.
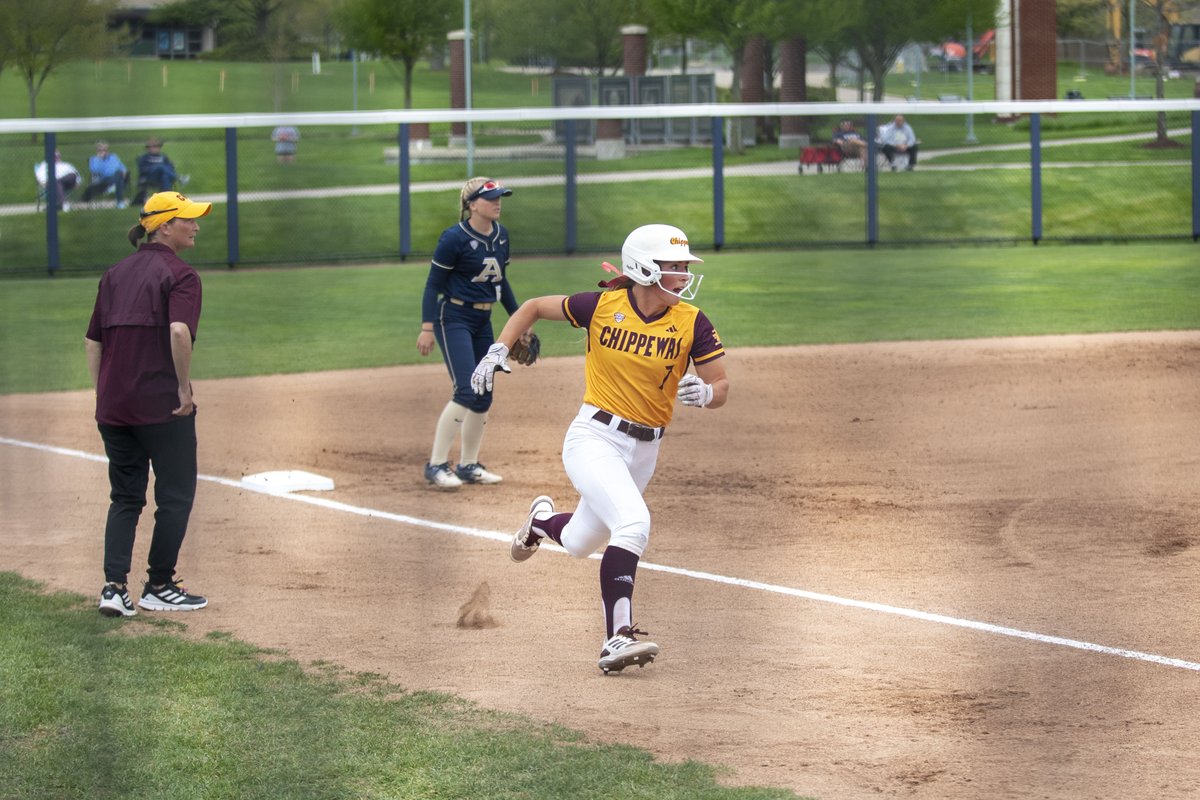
{"points": [[941, 619]]}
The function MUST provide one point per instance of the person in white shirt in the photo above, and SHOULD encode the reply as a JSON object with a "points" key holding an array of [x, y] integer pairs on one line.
{"points": [[897, 137], [66, 178]]}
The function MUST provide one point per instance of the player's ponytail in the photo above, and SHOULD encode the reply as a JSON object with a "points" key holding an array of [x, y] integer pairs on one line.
{"points": [[136, 233]]}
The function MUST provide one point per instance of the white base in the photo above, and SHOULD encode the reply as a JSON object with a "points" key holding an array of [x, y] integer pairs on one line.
{"points": [[291, 480]]}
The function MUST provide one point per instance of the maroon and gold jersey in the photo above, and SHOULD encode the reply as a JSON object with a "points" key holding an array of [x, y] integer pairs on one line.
{"points": [[634, 363]]}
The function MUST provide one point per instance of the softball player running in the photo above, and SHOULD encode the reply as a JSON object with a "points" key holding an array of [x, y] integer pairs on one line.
{"points": [[467, 277], [641, 336]]}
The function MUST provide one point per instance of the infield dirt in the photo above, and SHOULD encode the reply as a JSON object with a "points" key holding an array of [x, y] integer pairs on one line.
{"points": [[1045, 484]]}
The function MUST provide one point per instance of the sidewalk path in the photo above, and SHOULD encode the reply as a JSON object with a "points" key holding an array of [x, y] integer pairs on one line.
{"points": [[766, 169]]}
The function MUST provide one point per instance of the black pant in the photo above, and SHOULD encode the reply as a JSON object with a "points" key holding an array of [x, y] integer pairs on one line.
{"points": [[889, 152], [171, 448]]}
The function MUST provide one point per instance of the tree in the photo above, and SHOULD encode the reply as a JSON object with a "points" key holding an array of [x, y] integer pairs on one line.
{"points": [[42, 35], [1080, 19], [400, 30], [824, 24], [581, 33], [1165, 12], [882, 28]]}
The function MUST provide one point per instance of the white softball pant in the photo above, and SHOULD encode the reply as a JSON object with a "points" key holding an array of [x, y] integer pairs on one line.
{"points": [[610, 471]]}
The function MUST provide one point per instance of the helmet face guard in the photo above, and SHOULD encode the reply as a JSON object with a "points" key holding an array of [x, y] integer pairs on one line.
{"points": [[651, 245], [688, 290]]}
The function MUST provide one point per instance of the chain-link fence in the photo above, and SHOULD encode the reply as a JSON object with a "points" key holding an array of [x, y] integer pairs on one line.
{"points": [[313, 188]]}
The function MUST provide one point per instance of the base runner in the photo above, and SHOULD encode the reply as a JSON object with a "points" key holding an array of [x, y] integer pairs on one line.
{"points": [[641, 337]]}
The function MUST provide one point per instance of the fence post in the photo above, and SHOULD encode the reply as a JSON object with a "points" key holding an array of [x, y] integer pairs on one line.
{"points": [[50, 142], [231, 195], [405, 200], [572, 220], [1196, 170], [1035, 174], [872, 181], [718, 167]]}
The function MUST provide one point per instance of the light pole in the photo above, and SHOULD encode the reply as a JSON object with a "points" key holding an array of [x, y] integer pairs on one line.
{"points": [[970, 82], [1132, 63], [354, 83]]}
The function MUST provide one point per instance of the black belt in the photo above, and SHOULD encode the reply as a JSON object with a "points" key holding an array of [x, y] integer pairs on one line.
{"points": [[639, 432], [476, 306]]}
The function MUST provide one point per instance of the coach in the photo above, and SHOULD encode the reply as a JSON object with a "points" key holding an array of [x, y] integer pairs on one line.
{"points": [[139, 353]]}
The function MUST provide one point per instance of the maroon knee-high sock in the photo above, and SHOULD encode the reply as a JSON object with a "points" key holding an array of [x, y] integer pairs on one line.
{"points": [[552, 527], [617, 570]]}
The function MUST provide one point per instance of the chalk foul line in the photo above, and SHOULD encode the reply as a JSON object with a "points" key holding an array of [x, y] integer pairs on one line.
{"points": [[865, 605]]}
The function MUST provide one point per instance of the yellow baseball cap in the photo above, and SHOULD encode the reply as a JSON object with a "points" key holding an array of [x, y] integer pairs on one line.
{"points": [[166, 206]]}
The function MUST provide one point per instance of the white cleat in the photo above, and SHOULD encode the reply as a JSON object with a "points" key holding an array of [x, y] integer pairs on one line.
{"points": [[623, 650], [441, 478], [476, 473], [526, 540]]}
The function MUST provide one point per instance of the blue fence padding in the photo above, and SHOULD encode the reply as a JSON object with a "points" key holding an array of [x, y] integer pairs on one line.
{"points": [[402, 138], [718, 161], [52, 261], [231, 192], [1035, 176]]}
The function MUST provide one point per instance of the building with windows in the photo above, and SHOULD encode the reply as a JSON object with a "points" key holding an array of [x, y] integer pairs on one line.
{"points": [[163, 41]]}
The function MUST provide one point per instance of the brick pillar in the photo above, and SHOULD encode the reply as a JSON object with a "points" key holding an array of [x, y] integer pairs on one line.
{"points": [[458, 84], [753, 89], [610, 136], [793, 88], [633, 38], [1035, 68]]}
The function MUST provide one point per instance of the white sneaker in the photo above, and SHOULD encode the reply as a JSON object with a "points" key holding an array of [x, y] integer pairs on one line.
{"points": [[171, 597], [476, 473], [115, 602], [441, 478], [526, 541], [623, 650]]}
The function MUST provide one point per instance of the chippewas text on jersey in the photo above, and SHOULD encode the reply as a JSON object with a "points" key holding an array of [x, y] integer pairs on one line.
{"points": [[634, 363]]}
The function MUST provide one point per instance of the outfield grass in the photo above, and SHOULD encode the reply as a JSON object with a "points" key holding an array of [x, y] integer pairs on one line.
{"points": [[86, 712], [286, 321]]}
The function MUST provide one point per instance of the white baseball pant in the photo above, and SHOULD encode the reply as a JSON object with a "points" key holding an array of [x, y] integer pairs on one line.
{"points": [[610, 470]]}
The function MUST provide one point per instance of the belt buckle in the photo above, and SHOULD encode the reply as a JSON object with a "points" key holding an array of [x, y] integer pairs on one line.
{"points": [[641, 432]]}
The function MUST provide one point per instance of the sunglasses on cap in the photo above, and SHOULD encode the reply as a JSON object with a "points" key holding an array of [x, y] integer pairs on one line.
{"points": [[490, 186], [144, 214]]}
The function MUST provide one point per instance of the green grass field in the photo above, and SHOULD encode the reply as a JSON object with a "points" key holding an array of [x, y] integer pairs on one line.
{"points": [[99, 708], [283, 321]]}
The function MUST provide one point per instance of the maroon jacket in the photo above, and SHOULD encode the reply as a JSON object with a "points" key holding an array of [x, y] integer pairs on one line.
{"points": [[138, 300]]}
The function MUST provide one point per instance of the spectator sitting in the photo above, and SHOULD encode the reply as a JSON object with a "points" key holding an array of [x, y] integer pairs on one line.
{"points": [[156, 173], [849, 141], [66, 178], [897, 137], [285, 138], [107, 173]]}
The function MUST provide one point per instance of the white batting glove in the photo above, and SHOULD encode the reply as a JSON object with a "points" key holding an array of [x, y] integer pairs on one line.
{"points": [[694, 392], [485, 370]]}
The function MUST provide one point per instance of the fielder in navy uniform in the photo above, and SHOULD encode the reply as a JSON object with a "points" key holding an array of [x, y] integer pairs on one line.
{"points": [[466, 279]]}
